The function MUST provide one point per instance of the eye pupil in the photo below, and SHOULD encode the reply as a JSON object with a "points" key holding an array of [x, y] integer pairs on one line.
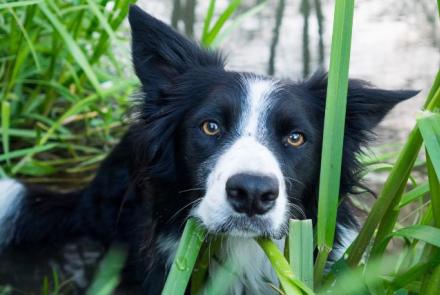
{"points": [[212, 126]]}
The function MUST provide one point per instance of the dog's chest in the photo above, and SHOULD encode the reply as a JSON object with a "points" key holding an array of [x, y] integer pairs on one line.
{"points": [[239, 259]]}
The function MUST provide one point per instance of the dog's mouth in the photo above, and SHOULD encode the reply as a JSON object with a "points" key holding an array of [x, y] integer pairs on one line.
{"points": [[246, 227]]}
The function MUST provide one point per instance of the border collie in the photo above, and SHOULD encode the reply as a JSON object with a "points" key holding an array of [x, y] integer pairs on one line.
{"points": [[239, 151]]}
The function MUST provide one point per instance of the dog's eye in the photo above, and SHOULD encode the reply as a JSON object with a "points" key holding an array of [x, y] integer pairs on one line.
{"points": [[295, 139], [210, 128]]}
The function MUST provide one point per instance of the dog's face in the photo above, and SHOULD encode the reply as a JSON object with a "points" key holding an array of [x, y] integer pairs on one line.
{"points": [[250, 144], [245, 148]]}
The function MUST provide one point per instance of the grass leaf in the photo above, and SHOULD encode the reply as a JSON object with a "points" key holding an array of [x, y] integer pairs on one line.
{"points": [[301, 249], [429, 126], [18, 3], [108, 276], [289, 282], [73, 48], [333, 137], [190, 242]]}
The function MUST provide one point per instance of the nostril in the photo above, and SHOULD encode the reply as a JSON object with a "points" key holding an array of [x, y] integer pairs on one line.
{"points": [[269, 196], [234, 193]]}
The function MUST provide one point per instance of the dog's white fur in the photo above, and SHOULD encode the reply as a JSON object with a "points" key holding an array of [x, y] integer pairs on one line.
{"points": [[248, 154], [11, 196]]}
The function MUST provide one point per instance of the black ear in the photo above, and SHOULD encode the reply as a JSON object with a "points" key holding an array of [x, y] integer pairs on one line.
{"points": [[366, 105], [160, 54]]}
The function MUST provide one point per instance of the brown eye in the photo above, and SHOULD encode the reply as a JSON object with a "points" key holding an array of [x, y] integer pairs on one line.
{"points": [[295, 139], [210, 128]]}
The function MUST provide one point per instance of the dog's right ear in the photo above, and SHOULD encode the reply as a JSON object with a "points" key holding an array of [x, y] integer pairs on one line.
{"points": [[160, 54]]}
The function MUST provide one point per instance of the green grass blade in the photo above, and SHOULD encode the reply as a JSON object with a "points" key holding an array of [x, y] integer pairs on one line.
{"points": [[102, 20], [18, 4], [432, 286], [23, 152], [438, 7], [5, 121], [28, 39], [334, 124], [73, 48], [36, 168], [77, 107], [425, 233], [108, 276], [222, 35], [414, 194], [429, 126], [301, 250], [190, 242], [414, 273], [360, 280], [431, 281], [434, 187], [208, 19], [226, 15], [201, 269], [223, 278], [290, 283]]}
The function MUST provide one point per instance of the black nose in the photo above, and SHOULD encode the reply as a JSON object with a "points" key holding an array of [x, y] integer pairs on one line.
{"points": [[252, 194]]}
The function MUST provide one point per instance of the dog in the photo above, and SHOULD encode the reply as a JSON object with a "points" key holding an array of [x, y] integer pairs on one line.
{"points": [[238, 151]]}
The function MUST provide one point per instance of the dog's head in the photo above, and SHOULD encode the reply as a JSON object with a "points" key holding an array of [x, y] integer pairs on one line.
{"points": [[242, 151]]}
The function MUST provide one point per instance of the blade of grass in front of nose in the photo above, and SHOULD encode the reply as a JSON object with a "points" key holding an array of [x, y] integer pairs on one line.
{"points": [[333, 138], [189, 246]]}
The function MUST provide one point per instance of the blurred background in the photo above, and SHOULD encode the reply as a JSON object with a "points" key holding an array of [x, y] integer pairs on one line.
{"points": [[67, 82], [396, 43]]}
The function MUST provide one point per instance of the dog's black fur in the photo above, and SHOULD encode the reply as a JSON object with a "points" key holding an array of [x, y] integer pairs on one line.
{"points": [[139, 190]]}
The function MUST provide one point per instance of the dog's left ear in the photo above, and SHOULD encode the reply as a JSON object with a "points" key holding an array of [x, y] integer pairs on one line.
{"points": [[366, 105], [160, 54]]}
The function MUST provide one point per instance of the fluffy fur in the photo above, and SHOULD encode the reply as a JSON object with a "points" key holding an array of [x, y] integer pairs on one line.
{"points": [[166, 168]]}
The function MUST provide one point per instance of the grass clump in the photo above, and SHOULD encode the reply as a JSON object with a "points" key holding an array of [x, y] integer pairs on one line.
{"points": [[62, 98]]}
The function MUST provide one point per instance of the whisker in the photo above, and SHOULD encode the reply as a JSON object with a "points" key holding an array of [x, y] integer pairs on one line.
{"points": [[191, 189], [298, 209], [186, 206], [295, 180]]}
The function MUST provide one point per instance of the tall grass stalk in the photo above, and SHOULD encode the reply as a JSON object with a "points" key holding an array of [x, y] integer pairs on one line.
{"points": [[333, 138], [180, 273]]}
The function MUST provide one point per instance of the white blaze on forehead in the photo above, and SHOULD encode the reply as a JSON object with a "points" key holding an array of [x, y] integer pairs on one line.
{"points": [[248, 153], [258, 93]]}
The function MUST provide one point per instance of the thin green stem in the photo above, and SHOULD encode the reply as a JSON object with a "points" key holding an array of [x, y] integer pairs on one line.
{"points": [[334, 124], [190, 242]]}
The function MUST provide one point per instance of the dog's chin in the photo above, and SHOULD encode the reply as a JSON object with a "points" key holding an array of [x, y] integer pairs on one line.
{"points": [[247, 227]]}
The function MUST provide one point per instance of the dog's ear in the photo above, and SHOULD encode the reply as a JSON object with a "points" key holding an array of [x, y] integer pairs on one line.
{"points": [[366, 105], [160, 54]]}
